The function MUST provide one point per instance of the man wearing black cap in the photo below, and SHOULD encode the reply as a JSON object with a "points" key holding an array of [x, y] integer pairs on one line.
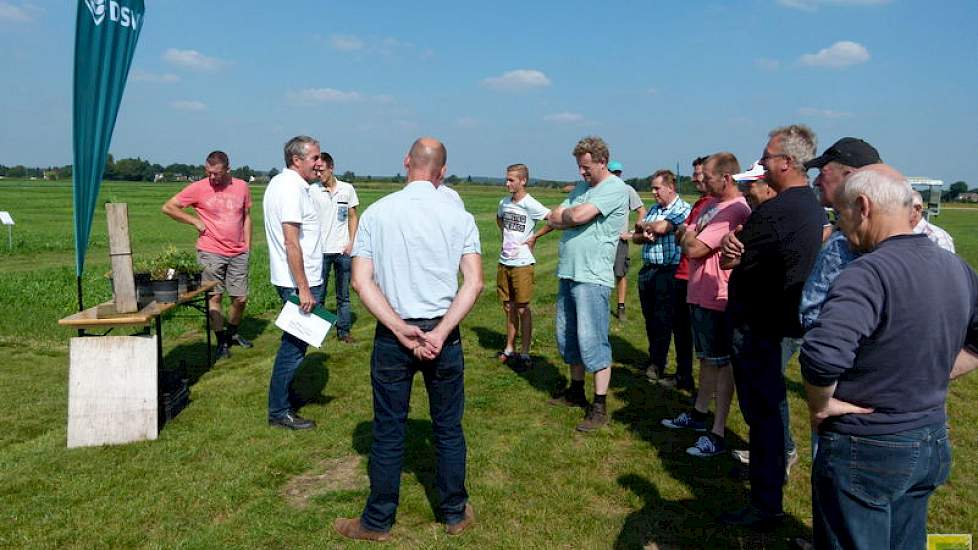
{"points": [[836, 163]]}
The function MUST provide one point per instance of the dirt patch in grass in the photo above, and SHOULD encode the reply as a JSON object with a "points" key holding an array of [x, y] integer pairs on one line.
{"points": [[336, 474]]}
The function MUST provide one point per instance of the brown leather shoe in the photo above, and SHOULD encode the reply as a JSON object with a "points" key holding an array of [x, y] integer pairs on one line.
{"points": [[597, 417], [351, 529], [467, 520]]}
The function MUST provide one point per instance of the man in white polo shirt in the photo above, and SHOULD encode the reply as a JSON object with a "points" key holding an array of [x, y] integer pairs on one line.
{"points": [[295, 264], [337, 204], [409, 249]]}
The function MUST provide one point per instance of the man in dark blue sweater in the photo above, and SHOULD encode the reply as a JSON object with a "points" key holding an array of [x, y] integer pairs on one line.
{"points": [[877, 363]]}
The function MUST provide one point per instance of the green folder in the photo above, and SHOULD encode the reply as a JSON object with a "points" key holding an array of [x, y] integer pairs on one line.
{"points": [[319, 311]]}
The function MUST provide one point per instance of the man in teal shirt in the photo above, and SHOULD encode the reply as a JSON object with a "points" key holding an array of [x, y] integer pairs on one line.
{"points": [[592, 218]]}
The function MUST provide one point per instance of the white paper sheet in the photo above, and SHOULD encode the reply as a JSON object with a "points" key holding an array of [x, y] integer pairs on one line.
{"points": [[308, 327]]}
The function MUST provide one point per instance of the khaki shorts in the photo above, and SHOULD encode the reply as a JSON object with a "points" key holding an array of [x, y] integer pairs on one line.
{"points": [[230, 272], [514, 284]]}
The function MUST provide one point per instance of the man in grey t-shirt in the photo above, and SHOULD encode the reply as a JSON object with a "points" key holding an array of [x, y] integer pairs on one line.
{"points": [[622, 259]]}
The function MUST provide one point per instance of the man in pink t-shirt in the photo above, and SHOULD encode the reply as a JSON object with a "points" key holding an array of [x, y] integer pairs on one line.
{"points": [[223, 221], [707, 296]]}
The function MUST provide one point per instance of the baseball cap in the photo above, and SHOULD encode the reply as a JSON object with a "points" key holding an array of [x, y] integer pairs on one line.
{"points": [[850, 151], [615, 166], [756, 172]]}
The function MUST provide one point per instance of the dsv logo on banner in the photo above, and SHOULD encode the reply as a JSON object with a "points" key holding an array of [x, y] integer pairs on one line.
{"points": [[117, 14]]}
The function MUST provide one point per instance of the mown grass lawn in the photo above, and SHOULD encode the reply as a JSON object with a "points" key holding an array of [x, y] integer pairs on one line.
{"points": [[218, 476]]}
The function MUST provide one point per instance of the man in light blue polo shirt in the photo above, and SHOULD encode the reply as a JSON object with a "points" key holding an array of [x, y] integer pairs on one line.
{"points": [[406, 257], [592, 217]]}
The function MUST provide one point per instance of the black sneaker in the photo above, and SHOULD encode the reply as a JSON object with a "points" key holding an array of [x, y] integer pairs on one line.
{"points": [[223, 352], [620, 314], [238, 340], [568, 399], [291, 421]]}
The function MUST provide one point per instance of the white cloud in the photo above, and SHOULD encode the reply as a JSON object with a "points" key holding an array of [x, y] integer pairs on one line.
{"points": [[839, 55], [520, 79], [323, 95], [345, 42], [156, 78], [16, 14], [192, 59], [188, 105], [823, 113], [565, 117], [466, 122], [813, 5], [652, 90], [767, 64]]}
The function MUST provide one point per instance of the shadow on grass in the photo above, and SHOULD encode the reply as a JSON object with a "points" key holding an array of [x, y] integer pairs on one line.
{"points": [[310, 381], [545, 376], [625, 353], [419, 454], [190, 359], [691, 522]]}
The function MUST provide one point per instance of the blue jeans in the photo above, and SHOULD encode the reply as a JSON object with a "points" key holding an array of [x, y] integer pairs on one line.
{"points": [[758, 376], [872, 491], [582, 324], [392, 369], [341, 263], [290, 353]]}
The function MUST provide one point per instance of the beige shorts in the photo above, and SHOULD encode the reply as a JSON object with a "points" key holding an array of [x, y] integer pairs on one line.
{"points": [[230, 272], [515, 284]]}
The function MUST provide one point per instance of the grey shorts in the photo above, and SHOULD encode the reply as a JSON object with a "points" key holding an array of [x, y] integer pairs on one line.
{"points": [[622, 259], [230, 272]]}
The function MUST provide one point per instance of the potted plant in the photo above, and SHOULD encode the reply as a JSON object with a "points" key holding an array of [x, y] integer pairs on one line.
{"points": [[163, 273], [188, 270]]}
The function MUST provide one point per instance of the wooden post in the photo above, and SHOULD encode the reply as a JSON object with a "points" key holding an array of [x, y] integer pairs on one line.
{"points": [[120, 253]]}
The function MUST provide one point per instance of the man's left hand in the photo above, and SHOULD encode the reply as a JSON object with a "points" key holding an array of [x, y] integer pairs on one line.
{"points": [[348, 249], [835, 407]]}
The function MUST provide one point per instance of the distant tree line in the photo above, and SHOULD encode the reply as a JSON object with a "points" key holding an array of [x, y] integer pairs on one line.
{"points": [[137, 169]]}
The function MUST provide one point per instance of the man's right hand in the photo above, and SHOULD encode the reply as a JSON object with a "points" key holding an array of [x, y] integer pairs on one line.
{"points": [[200, 226], [306, 300]]}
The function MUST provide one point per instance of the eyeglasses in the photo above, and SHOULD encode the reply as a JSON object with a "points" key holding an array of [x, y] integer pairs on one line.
{"points": [[776, 155]]}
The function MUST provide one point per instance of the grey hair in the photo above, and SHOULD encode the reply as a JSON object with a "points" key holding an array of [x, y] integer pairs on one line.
{"points": [[917, 198], [298, 146], [797, 141], [887, 191]]}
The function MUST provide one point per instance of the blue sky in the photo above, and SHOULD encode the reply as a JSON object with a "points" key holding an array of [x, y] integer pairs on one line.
{"points": [[504, 82]]}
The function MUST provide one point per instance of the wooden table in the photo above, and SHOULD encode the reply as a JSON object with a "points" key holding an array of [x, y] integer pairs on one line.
{"points": [[152, 313]]}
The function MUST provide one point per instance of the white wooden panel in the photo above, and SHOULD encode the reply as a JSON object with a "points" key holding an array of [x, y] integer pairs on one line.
{"points": [[112, 393]]}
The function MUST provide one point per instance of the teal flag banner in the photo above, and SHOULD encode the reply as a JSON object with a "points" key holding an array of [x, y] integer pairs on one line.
{"points": [[106, 32]]}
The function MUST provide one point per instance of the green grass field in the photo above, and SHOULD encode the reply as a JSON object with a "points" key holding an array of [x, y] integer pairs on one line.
{"points": [[218, 476]]}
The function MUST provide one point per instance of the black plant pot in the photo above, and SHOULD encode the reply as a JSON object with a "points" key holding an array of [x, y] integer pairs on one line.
{"points": [[144, 290], [166, 291]]}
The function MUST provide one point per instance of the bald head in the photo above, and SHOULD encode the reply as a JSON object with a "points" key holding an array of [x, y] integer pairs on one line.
{"points": [[426, 159]]}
